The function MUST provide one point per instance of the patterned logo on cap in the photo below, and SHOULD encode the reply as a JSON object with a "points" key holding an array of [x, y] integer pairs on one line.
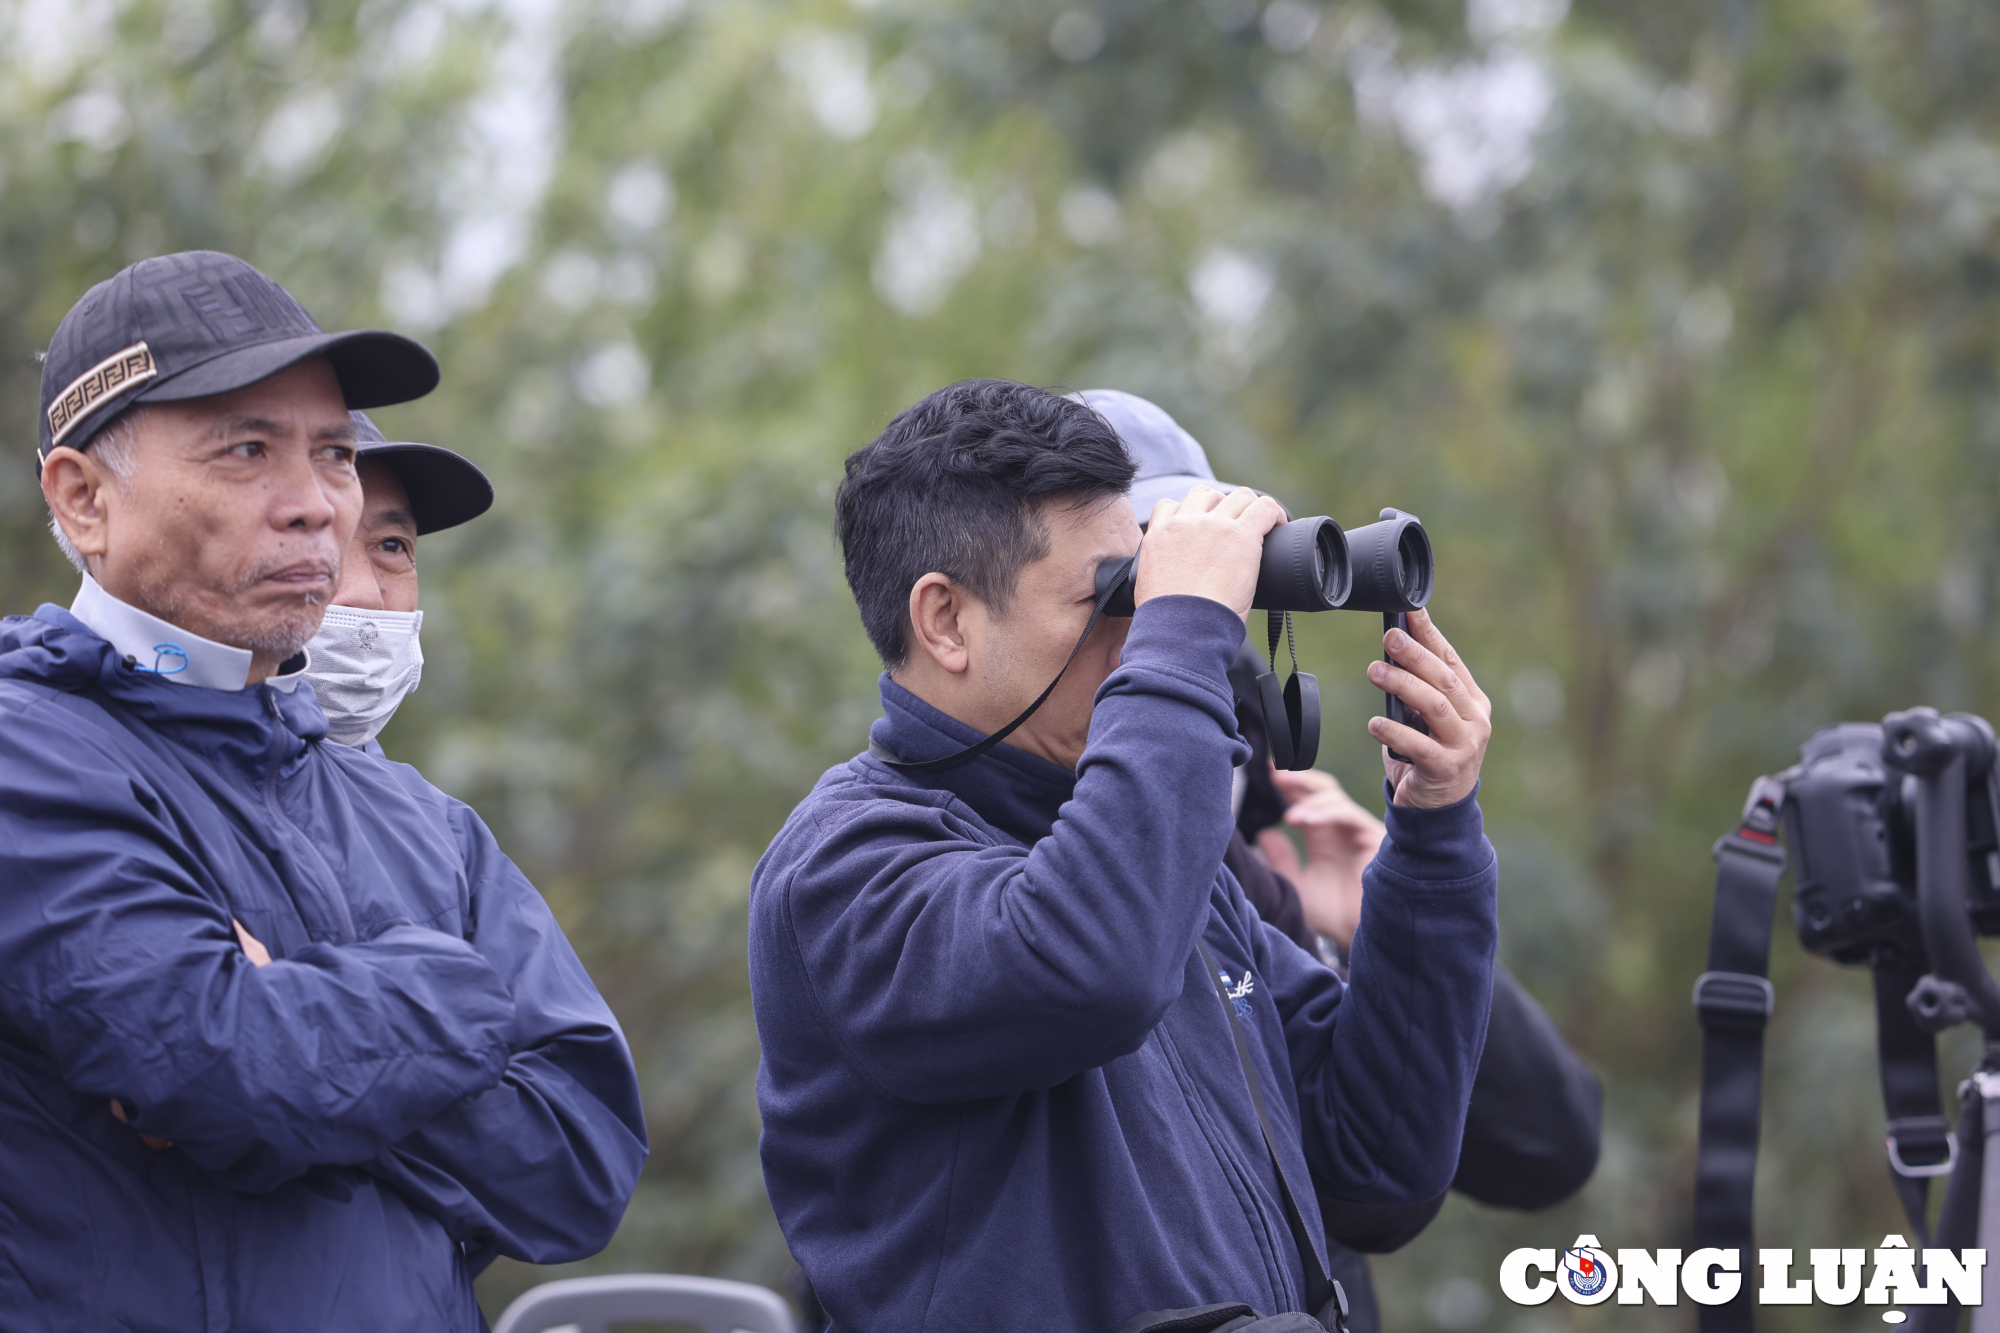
{"points": [[229, 310], [113, 375]]}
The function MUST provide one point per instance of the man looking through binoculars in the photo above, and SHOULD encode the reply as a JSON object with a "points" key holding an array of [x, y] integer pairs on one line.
{"points": [[1030, 1059]]}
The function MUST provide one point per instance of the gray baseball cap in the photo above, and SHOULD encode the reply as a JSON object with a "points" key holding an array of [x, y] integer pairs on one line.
{"points": [[1171, 461]]}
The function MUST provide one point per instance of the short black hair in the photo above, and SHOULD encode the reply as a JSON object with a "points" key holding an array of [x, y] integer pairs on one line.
{"points": [[952, 487]]}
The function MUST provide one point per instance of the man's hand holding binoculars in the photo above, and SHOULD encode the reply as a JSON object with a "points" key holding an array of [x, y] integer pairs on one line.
{"points": [[1207, 545], [1427, 675], [1212, 545]]}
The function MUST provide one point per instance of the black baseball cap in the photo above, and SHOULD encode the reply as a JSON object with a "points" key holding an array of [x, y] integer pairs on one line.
{"points": [[198, 323], [445, 489]]}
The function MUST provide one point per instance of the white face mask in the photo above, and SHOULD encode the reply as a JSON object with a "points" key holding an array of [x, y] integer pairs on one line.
{"points": [[363, 663]]}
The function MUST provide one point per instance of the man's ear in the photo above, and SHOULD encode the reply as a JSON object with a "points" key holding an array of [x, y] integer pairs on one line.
{"points": [[74, 484], [937, 611]]}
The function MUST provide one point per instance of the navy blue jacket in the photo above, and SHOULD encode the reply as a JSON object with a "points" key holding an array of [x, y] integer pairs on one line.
{"points": [[424, 1077], [999, 1092]]}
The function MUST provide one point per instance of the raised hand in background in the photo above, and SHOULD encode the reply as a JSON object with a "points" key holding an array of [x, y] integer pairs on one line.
{"points": [[1340, 838]]}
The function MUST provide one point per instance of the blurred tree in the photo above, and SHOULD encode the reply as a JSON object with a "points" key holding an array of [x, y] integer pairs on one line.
{"points": [[1676, 323]]}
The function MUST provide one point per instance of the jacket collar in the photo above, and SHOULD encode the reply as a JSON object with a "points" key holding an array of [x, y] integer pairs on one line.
{"points": [[158, 647], [1014, 791], [244, 728]]}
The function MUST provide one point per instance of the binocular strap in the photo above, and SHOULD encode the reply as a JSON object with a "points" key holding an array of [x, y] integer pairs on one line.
{"points": [[1291, 711], [981, 746]]}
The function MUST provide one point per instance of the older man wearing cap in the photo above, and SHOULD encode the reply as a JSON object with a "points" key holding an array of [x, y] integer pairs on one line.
{"points": [[285, 1040], [367, 657], [1531, 1129]]}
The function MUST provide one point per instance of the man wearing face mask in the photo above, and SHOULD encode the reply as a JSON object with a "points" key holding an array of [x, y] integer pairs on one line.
{"points": [[286, 1040], [367, 656]]}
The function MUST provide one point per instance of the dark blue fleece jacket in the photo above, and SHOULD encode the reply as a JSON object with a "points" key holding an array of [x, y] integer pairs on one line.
{"points": [[424, 1077], [999, 1092]]}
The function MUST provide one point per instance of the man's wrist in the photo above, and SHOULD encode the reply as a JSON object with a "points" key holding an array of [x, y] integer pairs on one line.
{"points": [[1179, 649], [1435, 847], [1412, 796], [1186, 631]]}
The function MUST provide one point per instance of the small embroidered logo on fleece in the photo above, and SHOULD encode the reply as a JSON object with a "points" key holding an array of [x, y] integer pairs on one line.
{"points": [[1239, 991]]}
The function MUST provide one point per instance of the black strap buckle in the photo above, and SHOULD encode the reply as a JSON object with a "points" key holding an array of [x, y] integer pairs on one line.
{"points": [[1734, 1000], [1922, 1135]]}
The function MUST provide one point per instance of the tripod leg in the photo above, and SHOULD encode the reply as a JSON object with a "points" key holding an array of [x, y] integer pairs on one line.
{"points": [[1958, 1219]]}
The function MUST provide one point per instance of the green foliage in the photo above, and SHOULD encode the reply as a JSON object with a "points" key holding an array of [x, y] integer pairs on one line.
{"points": [[1698, 400]]}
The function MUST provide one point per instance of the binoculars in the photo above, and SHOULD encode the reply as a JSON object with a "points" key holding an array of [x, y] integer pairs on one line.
{"points": [[1310, 564]]}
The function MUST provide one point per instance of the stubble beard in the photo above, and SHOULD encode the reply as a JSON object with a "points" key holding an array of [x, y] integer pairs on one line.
{"points": [[277, 633]]}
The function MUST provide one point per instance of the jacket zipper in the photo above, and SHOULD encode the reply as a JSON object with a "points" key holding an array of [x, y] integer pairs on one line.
{"points": [[328, 887]]}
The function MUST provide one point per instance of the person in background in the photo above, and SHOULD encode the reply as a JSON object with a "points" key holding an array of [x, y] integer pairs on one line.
{"points": [[1532, 1128], [286, 1041], [368, 657]]}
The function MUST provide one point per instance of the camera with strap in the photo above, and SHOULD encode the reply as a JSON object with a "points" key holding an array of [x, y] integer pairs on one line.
{"points": [[1893, 831]]}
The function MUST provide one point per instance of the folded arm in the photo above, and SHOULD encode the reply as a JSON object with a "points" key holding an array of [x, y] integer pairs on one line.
{"points": [[123, 968], [540, 1166]]}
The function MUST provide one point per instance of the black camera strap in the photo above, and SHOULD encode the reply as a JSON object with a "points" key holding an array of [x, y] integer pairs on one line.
{"points": [[1920, 1142], [1324, 1296], [1733, 1001], [981, 746]]}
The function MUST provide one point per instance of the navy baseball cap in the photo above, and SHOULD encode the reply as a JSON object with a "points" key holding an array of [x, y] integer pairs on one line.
{"points": [[445, 489], [198, 323], [1171, 461]]}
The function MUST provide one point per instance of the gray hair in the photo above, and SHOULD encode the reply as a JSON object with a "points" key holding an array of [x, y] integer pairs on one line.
{"points": [[115, 447]]}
